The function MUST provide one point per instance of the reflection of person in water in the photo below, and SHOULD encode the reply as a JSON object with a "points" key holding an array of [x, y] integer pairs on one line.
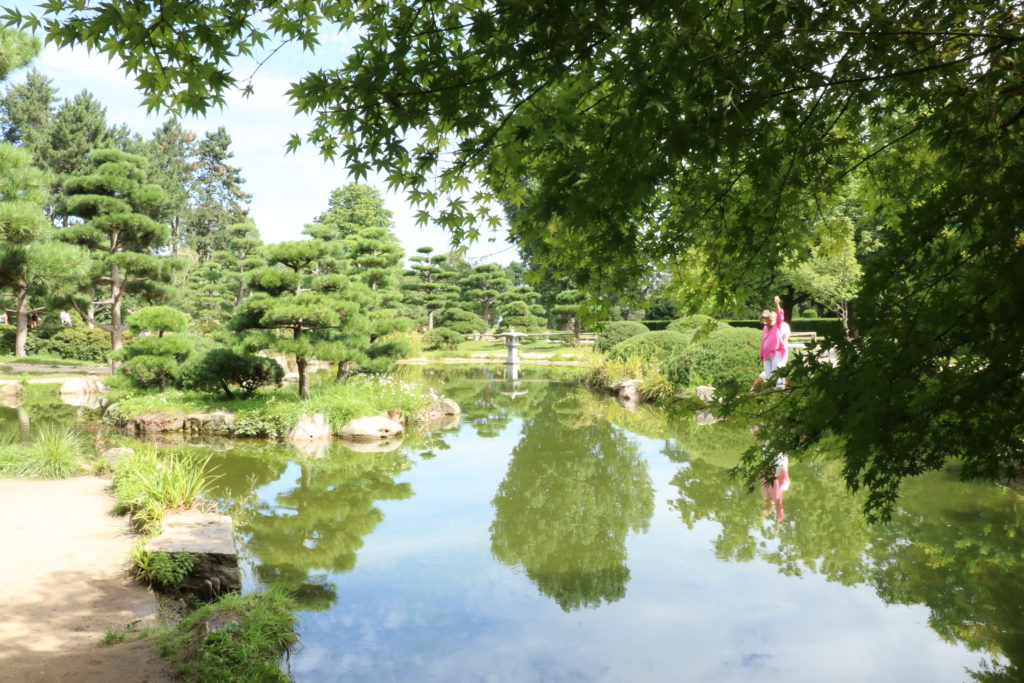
{"points": [[773, 488]]}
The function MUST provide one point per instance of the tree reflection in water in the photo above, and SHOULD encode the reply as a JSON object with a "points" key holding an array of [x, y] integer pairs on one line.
{"points": [[571, 494], [953, 547], [319, 525]]}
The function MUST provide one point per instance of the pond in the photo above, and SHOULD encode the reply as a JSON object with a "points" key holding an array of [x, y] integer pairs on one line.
{"points": [[553, 535]]}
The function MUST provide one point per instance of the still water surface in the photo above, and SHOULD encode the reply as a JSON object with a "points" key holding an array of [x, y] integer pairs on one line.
{"points": [[554, 536]]}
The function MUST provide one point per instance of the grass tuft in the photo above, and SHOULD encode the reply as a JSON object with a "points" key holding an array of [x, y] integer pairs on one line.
{"points": [[55, 453], [237, 638]]}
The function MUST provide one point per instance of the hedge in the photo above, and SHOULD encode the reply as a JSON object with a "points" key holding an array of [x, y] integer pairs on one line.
{"points": [[618, 331], [728, 356], [825, 327], [656, 346]]}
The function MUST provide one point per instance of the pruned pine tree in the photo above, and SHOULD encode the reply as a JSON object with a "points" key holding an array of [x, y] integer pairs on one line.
{"points": [[433, 285], [481, 288], [567, 306], [295, 295], [112, 197]]}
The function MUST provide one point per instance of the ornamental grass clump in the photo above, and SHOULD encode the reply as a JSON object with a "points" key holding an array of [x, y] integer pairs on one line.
{"points": [[55, 453], [150, 483]]}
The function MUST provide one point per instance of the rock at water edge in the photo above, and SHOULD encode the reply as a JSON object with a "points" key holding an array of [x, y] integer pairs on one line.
{"points": [[371, 429]]}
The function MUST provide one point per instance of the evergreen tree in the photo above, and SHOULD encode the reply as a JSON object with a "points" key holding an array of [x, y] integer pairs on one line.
{"points": [[357, 232], [173, 158], [218, 199], [16, 50], [567, 306], [294, 295], [432, 286], [242, 253], [482, 286], [117, 204], [27, 114], [519, 309]]}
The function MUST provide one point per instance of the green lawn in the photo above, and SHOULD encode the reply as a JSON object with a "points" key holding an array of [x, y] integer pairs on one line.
{"points": [[45, 360]]}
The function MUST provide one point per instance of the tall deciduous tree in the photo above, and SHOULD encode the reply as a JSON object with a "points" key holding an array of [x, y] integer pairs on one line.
{"points": [[117, 204]]}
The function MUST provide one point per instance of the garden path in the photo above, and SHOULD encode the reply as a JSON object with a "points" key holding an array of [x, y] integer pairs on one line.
{"points": [[62, 585]]}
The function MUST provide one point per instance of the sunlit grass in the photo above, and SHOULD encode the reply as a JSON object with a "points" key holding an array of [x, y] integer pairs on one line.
{"points": [[55, 453], [150, 483]]}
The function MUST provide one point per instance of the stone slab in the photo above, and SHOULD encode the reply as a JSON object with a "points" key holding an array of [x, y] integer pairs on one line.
{"points": [[202, 533]]}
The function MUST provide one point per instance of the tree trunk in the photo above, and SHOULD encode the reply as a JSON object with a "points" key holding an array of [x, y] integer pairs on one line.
{"points": [[303, 380], [430, 320], [344, 372], [116, 328], [21, 321]]}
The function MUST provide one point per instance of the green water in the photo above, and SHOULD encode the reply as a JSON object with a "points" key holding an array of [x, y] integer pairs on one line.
{"points": [[552, 536]]}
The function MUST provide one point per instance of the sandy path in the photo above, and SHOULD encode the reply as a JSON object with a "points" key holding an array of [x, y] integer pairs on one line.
{"points": [[62, 586]]}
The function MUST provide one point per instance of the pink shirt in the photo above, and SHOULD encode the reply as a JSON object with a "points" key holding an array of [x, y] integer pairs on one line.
{"points": [[771, 338]]}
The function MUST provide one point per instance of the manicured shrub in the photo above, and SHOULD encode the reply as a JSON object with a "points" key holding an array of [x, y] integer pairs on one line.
{"points": [[79, 343], [810, 313], [618, 331], [157, 319], [463, 322], [654, 347], [693, 323], [154, 361], [222, 369], [729, 356], [441, 338]]}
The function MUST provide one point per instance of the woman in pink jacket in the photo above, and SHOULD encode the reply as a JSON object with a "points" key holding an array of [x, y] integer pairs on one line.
{"points": [[773, 344]]}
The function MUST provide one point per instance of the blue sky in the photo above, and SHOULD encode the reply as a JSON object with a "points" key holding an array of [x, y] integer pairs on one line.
{"points": [[289, 190]]}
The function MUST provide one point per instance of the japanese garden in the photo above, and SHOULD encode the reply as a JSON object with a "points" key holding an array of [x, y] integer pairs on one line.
{"points": [[734, 393]]}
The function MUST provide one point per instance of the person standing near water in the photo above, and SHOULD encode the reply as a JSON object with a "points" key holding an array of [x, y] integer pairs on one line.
{"points": [[773, 348]]}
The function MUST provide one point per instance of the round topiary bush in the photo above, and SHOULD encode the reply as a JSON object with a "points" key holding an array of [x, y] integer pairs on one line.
{"points": [[441, 338], [655, 347], [617, 332], [729, 356], [223, 369], [692, 323], [809, 314], [461, 321]]}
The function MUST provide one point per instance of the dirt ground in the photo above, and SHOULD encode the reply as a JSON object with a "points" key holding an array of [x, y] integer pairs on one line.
{"points": [[62, 585]]}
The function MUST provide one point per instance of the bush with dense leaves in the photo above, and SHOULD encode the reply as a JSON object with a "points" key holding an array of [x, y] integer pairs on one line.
{"points": [[79, 343], [222, 369], [617, 332], [441, 338], [727, 357], [154, 361], [653, 347], [463, 322], [809, 313], [693, 323]]}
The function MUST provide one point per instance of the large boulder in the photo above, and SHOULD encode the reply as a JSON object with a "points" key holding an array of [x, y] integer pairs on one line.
{"points": [[82, 385], [218, 422], [443, 406], [210, 540], [373, 428], [310, 428], [151, 423], [628, 390]]}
